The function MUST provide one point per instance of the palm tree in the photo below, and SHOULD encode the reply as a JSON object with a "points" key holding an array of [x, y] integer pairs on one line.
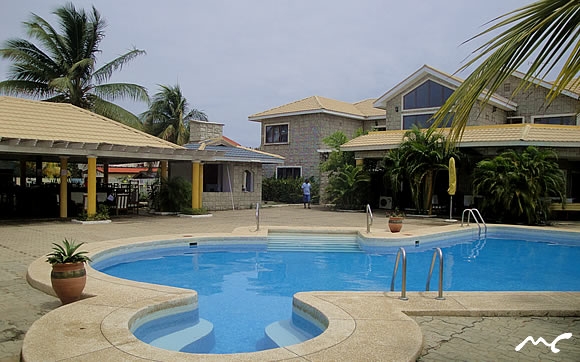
{"points": [[514, 184], [346, 187], [169, 115], [62, 68], [422, 155], [545, 31]]}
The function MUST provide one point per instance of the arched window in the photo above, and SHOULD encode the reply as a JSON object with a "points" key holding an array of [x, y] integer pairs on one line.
{"points": [[248, 182]]}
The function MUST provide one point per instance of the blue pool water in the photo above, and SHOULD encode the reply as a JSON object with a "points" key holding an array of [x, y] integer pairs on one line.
{"points": [[242, 290]]}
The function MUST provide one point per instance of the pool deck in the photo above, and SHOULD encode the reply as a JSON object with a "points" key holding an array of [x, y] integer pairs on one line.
{"points": [[362, 325]]}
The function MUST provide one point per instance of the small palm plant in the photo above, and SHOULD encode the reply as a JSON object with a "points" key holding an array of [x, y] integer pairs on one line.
{"points": [[67, 253]]}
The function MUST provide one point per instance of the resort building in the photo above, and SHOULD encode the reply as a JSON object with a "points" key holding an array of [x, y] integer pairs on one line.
{"points": [[296, 130], [233, 179]]}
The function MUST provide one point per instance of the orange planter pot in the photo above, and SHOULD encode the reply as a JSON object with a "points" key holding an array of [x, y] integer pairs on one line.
{"points": [[395, 224], [68, 281]]}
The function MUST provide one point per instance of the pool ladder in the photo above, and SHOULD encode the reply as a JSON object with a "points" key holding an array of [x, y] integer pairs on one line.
{"points": [[257, 216], [436, 253], [475, 213], [401, 254], [369, 218]]}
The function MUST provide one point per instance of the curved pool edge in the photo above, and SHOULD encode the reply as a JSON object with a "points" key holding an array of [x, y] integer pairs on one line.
{"points": [[361, 325]]}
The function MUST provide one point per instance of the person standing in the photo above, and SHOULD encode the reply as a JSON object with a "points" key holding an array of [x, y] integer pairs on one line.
{"points": [[306, 193]]}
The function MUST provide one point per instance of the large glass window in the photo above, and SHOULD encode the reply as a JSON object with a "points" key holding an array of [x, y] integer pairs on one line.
{"points": [[427, 95], [565, 120], [423, 121], [288, 172], [277, 133]]}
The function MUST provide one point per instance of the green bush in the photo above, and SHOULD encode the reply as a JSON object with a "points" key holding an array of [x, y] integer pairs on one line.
{"points": [[171, 195], [288, 191]]}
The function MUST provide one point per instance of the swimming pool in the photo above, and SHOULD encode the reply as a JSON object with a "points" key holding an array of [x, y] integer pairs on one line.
{"points": [[234, 275]]}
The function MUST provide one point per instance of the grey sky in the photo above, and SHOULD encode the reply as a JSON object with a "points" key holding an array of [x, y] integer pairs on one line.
{"points": [[236, 58]]}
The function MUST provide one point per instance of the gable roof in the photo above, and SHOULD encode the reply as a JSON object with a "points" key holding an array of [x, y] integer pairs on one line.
{"points": [[233, 152], [29, 127], [450, 81], [524, 134], [317, 104], [572, 90]]}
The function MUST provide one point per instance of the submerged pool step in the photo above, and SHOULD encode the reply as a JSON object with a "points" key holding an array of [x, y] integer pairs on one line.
{"points": [[285, 333], [310, 242]]}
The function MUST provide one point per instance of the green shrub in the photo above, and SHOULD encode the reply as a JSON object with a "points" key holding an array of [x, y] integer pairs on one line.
{"points": [[190, 211], [171, 195], [288, 191]]}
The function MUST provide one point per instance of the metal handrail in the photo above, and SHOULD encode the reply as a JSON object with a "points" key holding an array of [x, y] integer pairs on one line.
{"points": [[436, 253], [471, 212], [404, 280], [257, 216], [369, 218]]}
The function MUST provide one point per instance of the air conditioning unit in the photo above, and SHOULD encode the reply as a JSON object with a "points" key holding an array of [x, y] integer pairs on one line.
{"points": [[385, 202]]}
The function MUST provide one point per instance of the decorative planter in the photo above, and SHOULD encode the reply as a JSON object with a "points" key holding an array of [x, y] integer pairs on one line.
{"points": [[395, 223], [68, 281]]}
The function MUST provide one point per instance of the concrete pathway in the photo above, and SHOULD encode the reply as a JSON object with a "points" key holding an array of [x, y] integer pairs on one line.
{"points": [[23, 242]]}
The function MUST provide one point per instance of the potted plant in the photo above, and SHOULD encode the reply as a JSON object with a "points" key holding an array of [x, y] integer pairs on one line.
{"points": [[396, 218], [68, 276]]}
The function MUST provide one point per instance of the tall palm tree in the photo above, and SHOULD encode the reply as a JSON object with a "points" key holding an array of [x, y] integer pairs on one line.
{"points": [[514, 184], [545, 32], [62, 67], [169, 115], [423, 154]]}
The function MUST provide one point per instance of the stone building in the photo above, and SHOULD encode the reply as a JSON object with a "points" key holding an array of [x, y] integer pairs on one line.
{"points": [[233, 179]]}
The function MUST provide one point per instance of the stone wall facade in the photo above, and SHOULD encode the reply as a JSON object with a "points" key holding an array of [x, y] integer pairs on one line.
{"points": [[238, 197], [305, 138]]}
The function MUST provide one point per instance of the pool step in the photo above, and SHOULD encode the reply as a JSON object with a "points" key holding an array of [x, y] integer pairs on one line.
{"points": [[313, 242], [285, 333], [194, 339]]}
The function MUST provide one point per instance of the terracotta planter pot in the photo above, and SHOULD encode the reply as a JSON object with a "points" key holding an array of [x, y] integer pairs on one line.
{"points": [[395, 224], [68, 281]]}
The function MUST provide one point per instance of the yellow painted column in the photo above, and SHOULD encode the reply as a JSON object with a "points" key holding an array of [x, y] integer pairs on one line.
{"points": [[195, 185], [164, 169], [200, 185], [359, 162], [63, 187], [92, 186]]}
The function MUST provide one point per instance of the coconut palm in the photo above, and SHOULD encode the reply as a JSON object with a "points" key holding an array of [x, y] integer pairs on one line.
{"points": [[515, 184], [62, 67], [545, 32], [169, 115]]}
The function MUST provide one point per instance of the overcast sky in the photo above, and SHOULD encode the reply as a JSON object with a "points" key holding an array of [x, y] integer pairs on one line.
{"points": [[236, 58]]}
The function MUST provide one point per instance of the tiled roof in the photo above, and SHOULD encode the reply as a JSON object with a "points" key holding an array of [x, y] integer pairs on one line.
{"points": [[480, 136], [237, 153], [317, 104], [366, 107], [30, 119]]}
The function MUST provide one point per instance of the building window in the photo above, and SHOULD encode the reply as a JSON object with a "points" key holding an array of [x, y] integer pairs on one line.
{"points": [[515, 120], [288, 172], [248, 185], [568, 120], [277, 133], [422, 121], [216, 178], [427, 95]]}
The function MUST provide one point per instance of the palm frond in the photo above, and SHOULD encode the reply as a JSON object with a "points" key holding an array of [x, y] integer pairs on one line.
{"points": [[543, 32], [104, 73], [115, 112], [113, 91]]}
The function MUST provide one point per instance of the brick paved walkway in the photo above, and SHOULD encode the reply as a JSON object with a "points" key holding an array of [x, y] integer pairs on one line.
{"points": [[446, 338]]}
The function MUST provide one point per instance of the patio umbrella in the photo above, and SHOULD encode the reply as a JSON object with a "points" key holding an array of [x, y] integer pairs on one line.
{"points": [[452, 185]]}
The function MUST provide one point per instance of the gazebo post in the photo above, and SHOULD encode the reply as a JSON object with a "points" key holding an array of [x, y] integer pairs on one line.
{"points": [[63, 187], [195, 200], [92, 185]]}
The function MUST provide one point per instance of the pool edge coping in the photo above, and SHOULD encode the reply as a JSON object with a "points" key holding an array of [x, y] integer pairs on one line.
{"points": [[106, 313]]}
